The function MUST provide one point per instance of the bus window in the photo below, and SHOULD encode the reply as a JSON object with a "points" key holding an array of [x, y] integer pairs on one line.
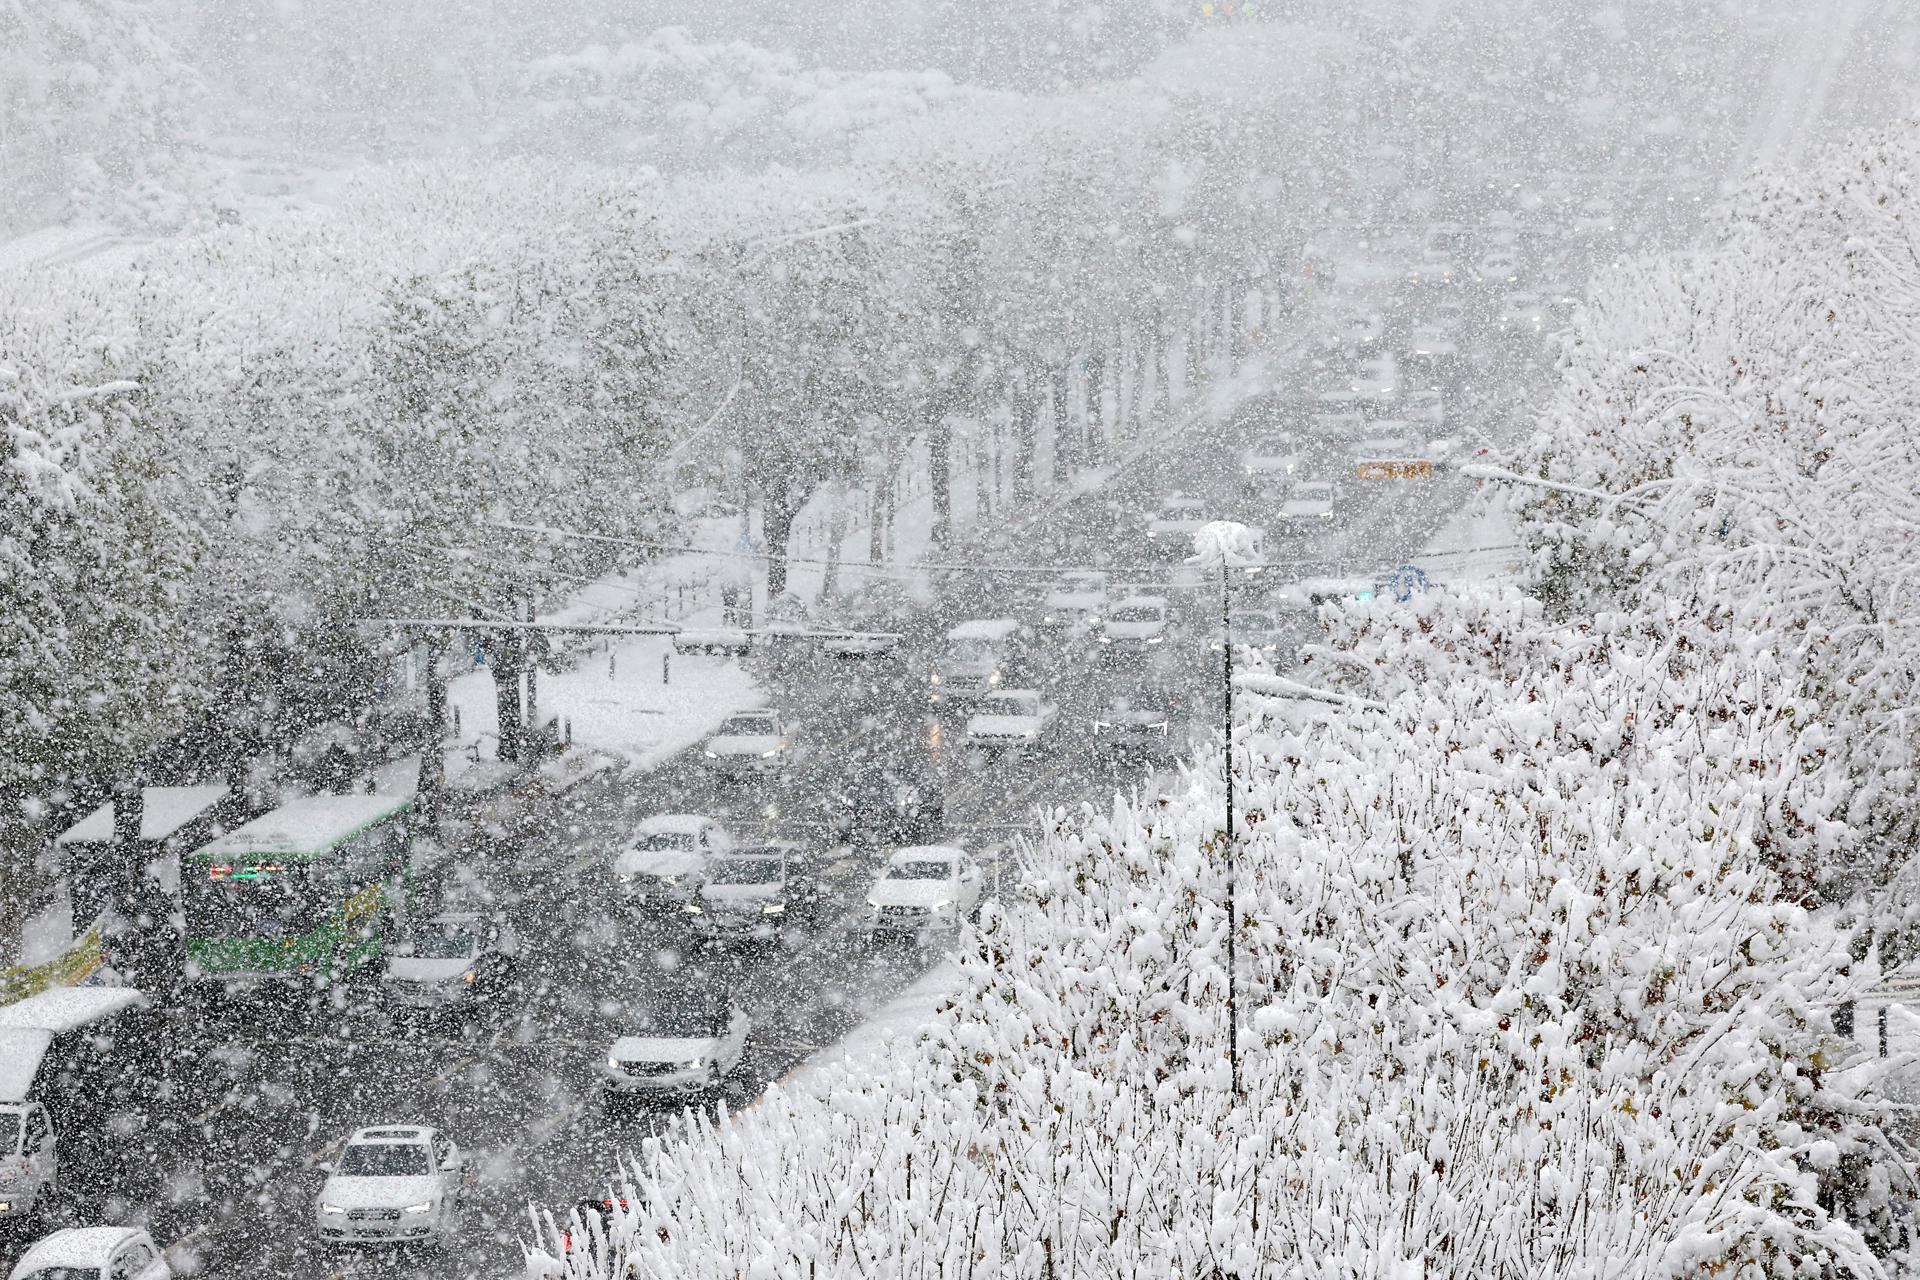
{"points": [[250, 901]]}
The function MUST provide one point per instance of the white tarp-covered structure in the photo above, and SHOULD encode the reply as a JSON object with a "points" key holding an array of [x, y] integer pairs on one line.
{"points": [[28, 1028]]}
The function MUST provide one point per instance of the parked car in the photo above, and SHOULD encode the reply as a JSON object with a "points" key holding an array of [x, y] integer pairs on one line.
{"points": [[29, 1160], [1137, 621], [665, 860], [1073, 603], [979, 657], [392, 1183], [93, 1253], [1255, 629], [453, 960], [1309, 506], [924, 889], [1011, 719], [755, 893], [683, 1041], [1274, 460], [755, 741]]}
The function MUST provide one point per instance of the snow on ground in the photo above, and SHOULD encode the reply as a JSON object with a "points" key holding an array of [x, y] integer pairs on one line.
{"points": [[882, 1035]]}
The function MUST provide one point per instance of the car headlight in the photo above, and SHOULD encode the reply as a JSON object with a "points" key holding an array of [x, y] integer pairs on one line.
{"points": [[332, 1208], [934, 678], [425, 1206], [1155, 639], [613, 1063], [768, 755], [466, 979], [694, 909], [993, 680], [773, 909], [713, 755], [696, 1064], [1048, 619]]}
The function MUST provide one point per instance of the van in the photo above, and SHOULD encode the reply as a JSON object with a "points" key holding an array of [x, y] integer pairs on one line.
{"points": [[977, 658]]}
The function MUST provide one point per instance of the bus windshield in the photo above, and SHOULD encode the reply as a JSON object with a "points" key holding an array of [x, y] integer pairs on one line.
{"points": [[9, 1133], [225, 901]]}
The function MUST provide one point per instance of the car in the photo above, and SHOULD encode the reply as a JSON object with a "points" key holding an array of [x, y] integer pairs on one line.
{"points": [[1523, 312], [682, 1041], [1171, 528], [1137, 621], [1363, 331], [883, 802], [759, 740], [1275, 458], [665, 860], [392, 1184], [1444, 242], [924, 889], [1010, 718], [1310, 504], [1595, 217], [1499, 267], [754, 892], [452, 960], [1133, 729], [1375, 379], [1425, 408], [93, 1253], [1073, 603], [1256, 629], [978, 658], [29, 1159]]}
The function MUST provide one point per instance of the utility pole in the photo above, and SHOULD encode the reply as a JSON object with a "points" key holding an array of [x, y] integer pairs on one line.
{"points": [[1233, 921]]}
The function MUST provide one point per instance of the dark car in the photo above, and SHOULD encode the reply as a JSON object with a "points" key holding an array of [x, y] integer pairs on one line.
{"points": [[756, 893], [1136, 729], [886, 805]]}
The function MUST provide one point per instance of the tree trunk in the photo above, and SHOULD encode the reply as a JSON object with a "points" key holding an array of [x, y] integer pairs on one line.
{"points": [[1026, 422], [1065, 450], [433, 755], [503, 650], [836, 534], [1096, 401], [779, 504], [940, 471]]}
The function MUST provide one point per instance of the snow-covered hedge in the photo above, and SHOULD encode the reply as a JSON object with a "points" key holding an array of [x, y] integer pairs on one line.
{"points": [[1519, 997], [1734, 430]]}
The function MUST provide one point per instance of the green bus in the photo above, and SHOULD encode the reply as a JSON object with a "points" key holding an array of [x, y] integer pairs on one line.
{"points": [[302, 894]]}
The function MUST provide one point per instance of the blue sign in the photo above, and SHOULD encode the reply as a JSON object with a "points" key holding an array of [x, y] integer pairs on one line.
{"points": [[745, 545], [1406, 582]]}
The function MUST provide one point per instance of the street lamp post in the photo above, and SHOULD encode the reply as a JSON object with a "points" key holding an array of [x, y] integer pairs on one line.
{"points": [[1228, 546]]}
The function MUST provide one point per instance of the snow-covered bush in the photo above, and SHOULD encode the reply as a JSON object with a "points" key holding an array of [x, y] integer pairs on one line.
{"points": [[1519, 997], [1733, 429]]}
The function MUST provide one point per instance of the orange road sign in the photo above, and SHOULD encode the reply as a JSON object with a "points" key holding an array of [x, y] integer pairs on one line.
{"points": [[1396, 469]]}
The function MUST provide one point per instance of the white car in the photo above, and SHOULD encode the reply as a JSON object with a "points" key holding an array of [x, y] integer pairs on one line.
{"points": [[757, 741], [1426, 408], [29, 1160], [1310, 504], [1256, 629], [1274, 458], [1074, 602], [392, 1183], [682, 1042], [754, 893], [923, 889], [93, 1253], [1137, 620], [1523, 312], [1499, 267], [1363, 332], [1595, 217], [1010, 718], [665, 860], [456, 959]]}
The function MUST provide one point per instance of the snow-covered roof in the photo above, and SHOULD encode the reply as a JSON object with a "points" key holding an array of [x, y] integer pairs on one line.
{"points": [[306, 827], [163, 811], [83, 1248], [680, 824], [61, 1009], [984, 629], [21, 1049]]}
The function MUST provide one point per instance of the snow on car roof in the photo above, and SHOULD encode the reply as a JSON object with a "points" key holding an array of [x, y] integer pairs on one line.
{"points": [[84, 1248], [306, 827], [62, 1009], [926, 853], [678, 824], [984, 629], [163, 811], [411, 1134], [21, 1049]]}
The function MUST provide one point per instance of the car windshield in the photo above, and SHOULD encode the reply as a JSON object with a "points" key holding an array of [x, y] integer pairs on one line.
{"points": [[682, 1019], [226, 900], [749, 724], [919, 869], [1136, 613], [1274, 447], [447, 940], [384, 1160], [9, 1132], [1014, 703], [1315, 491], [970, 651], [747, 871], [665, 841]]}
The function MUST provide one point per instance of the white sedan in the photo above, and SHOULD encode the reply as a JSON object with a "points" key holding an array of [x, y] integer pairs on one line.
{"points": [[1137, 621], [392, 1183], [1311, 504], [682, 1042], [923, 889], [665, 862], [1011, 718], [1276, 458], [757, 741]]}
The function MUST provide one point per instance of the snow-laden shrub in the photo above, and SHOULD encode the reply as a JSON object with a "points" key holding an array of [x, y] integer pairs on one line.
{"points": [[1734, 429], [1519, 997]]}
